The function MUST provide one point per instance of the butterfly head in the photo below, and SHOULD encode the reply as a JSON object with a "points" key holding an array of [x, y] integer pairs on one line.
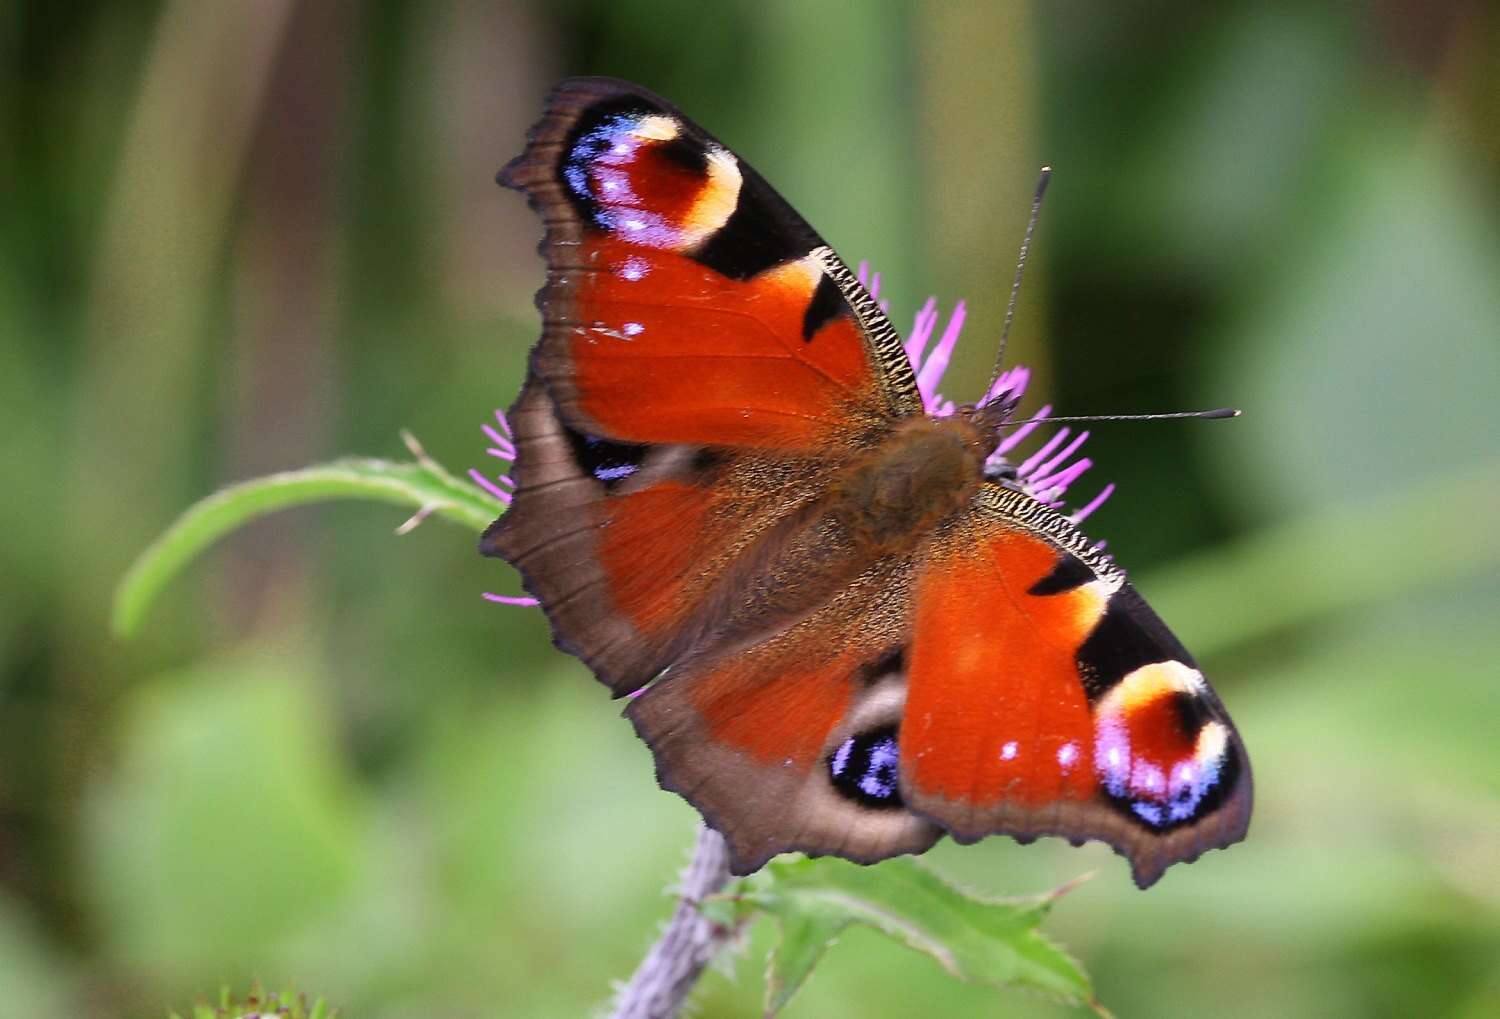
{"points": [[994, 413]]}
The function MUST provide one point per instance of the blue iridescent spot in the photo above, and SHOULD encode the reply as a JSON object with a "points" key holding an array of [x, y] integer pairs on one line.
{"points": [[611, 137], [595, 170], [841, 756], [1148, 812], [635, 269], [606, 461], [879, 779], [866, 768], [1160, 798]]}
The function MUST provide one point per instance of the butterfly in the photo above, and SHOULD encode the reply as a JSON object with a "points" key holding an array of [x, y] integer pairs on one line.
{"points": [[843, 635]]}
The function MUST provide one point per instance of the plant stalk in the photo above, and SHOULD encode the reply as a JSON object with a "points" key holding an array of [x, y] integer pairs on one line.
{"points": [[666, 976]]}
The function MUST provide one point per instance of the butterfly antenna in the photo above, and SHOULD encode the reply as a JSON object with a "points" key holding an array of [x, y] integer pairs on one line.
{"points": [[1015, 286], [1220, 412]]}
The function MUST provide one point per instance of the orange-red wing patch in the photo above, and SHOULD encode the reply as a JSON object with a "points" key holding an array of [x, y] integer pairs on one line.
{"points": [[782, 714], [662, 348], [995, 712], [649, 544]]}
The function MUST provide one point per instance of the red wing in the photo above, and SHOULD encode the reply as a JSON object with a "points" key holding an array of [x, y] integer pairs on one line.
{"points": [[1046, 698], [686, 302], [704, 364]]}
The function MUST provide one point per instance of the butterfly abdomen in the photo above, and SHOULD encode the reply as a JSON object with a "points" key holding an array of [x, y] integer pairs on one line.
{"points": [[891, 499]]}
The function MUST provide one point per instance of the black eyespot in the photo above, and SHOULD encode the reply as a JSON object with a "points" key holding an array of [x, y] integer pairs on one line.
{"points": [[591, 137], [865, 768], [609, 462], [686, 152]]}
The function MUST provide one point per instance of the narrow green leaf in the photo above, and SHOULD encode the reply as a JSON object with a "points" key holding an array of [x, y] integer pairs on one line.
{"points": [[984, 941], [424, 486]]}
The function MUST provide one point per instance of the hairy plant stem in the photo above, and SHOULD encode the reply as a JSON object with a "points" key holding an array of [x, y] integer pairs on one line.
{"points": [[689, 942]]}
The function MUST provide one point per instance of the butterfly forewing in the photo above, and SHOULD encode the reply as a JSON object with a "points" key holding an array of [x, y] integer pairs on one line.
{"points": [[685, 300]]}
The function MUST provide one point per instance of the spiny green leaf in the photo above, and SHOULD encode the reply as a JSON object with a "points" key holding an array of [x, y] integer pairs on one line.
{"points": [[424, 486], [979, 940]]}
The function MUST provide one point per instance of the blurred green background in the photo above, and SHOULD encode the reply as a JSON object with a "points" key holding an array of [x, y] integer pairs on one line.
{"points": [[242, 237]]}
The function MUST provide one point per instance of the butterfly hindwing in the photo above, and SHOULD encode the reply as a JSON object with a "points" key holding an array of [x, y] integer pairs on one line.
{"points": [[1047, 698], [633, 549], [790, 743]]}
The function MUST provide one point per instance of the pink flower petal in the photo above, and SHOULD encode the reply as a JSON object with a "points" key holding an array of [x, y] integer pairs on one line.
{"points": [[1062, 458], [1093, 504], [505, 599], [921, 332], [1030, 464], [489, 486], [1016, 437], [1062, 480], [937, 362]]}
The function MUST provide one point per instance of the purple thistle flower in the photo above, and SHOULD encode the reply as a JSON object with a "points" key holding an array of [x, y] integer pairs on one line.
{"points": [[1045, 475], [1048, 472], [503, 448]]}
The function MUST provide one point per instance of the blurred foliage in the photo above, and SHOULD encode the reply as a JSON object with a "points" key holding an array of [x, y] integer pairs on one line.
{"points": [[240, 238], [260, 1005]]}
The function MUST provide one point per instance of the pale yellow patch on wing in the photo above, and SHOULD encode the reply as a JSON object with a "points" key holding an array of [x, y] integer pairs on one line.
{"points": [[1213, 740], [1088, 602], [798, 279], [656, 128], [716, 201], [1146, 684]]}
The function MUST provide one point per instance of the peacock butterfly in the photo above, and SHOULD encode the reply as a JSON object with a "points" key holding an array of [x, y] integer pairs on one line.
{"points": [[846, 635]]}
